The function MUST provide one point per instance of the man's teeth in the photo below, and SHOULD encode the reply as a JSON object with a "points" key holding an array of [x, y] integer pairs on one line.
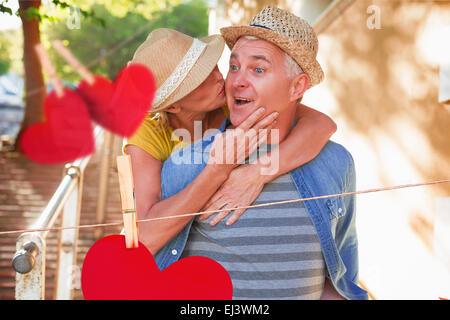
{"points": [[242, 100]]}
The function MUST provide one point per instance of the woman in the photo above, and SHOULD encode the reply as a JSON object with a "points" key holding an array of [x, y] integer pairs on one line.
{"points": [[190, 92]]}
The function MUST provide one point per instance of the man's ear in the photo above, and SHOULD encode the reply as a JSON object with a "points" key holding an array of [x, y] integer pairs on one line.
{"points": [[174, 108], [299, 85]]}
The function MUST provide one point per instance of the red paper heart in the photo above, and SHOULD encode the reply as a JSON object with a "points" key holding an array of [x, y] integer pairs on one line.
{"points": [[66, 134], [111, 271], [120, 106]]}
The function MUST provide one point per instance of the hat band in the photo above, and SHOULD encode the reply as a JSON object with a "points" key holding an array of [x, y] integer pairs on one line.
{"points": [[260, 26], [180, 72]]}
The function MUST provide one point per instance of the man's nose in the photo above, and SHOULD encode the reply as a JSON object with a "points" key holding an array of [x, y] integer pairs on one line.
{"points": [[240, 80]]}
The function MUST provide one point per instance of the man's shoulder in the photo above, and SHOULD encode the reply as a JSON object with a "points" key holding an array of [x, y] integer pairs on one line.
{"points": [[333, 154], [333, 163], [334, 151]]}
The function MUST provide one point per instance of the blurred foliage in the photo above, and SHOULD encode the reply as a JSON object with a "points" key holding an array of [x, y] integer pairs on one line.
{"points": [[4, 8], [5, 61], [106, 50], [106, 41], [102, 49], [120, 8], [190, 18], [11, 51], [4, 65], [38, 13]]}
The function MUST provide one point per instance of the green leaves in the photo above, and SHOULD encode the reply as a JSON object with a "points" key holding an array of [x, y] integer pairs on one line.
{"points": [[190, 18], [35, 13], [86, 14], [5, 9], [105, 49]]}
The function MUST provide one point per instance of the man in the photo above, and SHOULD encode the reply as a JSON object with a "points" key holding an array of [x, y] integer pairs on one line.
{"points": [[300, 250]]}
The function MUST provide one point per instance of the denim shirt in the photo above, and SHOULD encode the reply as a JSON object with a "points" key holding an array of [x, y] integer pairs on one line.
{"points": [[331, 172]]}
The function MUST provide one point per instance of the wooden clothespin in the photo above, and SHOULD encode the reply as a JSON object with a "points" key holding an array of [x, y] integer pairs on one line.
{"points": [[49, 70], [73, 62], [128, 201]]}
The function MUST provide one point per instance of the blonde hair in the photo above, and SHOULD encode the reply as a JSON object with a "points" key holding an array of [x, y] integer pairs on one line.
{"points": [[160, 115], [162, 120]]}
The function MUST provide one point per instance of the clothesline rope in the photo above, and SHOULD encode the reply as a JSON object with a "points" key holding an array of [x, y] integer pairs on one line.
{"points": [[230, 209]]}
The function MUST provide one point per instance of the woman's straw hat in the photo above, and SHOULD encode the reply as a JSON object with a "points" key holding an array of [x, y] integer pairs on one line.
{"points": [[178, 62], [289, 32]]}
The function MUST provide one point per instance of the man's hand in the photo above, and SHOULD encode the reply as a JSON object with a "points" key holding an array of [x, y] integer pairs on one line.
{"points": [[242, 187], [232, 147]]}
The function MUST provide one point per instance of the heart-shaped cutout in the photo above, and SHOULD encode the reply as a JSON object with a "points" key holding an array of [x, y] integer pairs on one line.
{"points": [[113, 272], [121, 106], [64, 136]]}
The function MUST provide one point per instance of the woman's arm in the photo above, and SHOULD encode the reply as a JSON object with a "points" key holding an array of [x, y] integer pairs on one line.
{"points": [[147, 183], [310, 134]]}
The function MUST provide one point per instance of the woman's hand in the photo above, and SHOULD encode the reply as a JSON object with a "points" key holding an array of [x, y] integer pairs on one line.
{"points": [[242, 187], [231, 147]]}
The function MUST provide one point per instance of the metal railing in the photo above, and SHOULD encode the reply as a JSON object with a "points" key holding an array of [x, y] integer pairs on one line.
{"points": [[29, 259]]}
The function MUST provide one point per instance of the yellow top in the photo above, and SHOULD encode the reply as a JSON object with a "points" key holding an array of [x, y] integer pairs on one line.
{"points": [[156, 140]]}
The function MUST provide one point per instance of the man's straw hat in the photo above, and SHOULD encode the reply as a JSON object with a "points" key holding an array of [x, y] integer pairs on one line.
{"points": [[178, 62], [289, 32]]}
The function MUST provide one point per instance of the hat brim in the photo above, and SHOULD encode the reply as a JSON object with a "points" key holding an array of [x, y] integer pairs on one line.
{"points": [[200, 71], [295, 49]]}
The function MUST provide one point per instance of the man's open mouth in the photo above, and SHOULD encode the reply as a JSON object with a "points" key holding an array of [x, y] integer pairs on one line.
{"points": [[241, 101]]}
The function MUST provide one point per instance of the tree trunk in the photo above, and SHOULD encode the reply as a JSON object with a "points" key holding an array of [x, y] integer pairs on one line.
{"points": [[34, 79]]}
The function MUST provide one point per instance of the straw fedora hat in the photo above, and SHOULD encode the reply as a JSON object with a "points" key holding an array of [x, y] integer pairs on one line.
{"points": [[289, 32], [178, 62]]}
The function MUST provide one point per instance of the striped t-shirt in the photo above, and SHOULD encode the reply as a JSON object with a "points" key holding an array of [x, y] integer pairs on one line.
{"points": [[271, 252]]}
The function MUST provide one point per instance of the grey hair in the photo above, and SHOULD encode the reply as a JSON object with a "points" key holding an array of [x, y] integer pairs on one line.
{"points": [[292, 67]]}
